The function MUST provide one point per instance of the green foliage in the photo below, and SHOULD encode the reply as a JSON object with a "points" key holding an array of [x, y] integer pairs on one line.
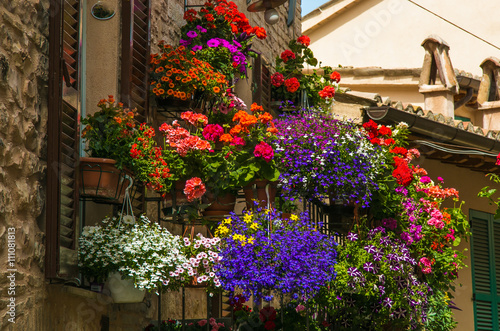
{"points": [[110, 131], [440, 315], [487, 192]]}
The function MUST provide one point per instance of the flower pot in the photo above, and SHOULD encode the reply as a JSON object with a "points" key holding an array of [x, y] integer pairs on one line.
{"points": [[219, 206], [123, 290], [100, 179], [174, 104], [180, 197], [262, 191], [193, 283]]}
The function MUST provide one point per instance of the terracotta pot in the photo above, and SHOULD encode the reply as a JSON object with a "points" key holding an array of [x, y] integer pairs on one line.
{"points": [[102, 180], [193, 283], [219, 206], [174, 104], [263, 191], [180, 197]]}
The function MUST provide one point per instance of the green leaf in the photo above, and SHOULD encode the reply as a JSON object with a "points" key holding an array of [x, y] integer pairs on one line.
{"points": [[457, 241], [313, 62]]}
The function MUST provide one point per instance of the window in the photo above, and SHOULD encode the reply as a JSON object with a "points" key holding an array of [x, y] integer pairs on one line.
{"points": [[63, 128], [485, 249], [261, 77]]}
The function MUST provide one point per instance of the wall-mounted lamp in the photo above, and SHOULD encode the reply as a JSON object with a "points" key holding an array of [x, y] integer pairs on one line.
{"points": [[271, 14]]}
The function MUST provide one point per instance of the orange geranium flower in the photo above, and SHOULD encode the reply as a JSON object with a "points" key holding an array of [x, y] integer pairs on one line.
{"points": [[226, 138]]}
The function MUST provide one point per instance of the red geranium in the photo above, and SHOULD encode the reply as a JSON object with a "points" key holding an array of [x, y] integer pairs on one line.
{"points": [[194, 189], [327, 92], [304, 40], [402, 172], [287, 55], [277, 79], [292, 84], [335, 76]]}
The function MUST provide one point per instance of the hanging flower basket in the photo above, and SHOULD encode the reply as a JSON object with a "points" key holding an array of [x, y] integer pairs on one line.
{"points": [[123, 290], [100, 179]]}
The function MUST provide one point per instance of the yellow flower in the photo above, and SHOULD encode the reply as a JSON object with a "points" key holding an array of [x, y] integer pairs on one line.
{"points": [[241, 238], [254, 226], [222, 231], [247, 218], [294, 217], [251, 241]]}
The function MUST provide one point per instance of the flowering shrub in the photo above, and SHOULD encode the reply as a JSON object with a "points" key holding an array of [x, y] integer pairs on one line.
{"points": [[108, 132], [251, 139], [375, 276], [262, 252], [324, 157], [114, 246], [221, 35], [409, 203], [203, 254], [177, 73], [290, 78]]}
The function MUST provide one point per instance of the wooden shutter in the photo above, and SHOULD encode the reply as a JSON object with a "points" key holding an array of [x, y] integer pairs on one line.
{"points": [[62, 138], [262, 83], [485, 266], [134, 85], [135, 55]]}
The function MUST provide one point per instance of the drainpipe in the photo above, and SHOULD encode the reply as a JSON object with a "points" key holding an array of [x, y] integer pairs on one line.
{"points": [[437, 131], [465, 99]]}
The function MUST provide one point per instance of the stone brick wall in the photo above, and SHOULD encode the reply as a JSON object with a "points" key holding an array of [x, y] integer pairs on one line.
{"points": [[167, 19], [23, 123]]}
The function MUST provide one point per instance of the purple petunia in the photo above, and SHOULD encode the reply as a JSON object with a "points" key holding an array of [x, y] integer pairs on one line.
{"points": [[368, 266], [201, 29], [352, 236], [400, 312], [214, 42], [371, 249], [197, 48], [191, 34], [387, 302]]}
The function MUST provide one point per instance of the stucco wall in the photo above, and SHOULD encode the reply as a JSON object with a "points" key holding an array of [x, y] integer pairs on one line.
{"points": [[388, 33]]}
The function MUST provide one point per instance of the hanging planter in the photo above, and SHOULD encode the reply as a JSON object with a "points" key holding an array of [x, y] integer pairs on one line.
{"points": [[262, 191], [123, 290], [174, 104], [100, 179]]}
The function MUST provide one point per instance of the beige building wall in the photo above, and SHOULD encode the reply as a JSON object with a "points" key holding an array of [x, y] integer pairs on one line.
{"points": [[388, 33]]}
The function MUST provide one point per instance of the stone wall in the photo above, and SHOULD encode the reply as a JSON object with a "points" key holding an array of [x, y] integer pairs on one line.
{"points": [[23, 123], [167, 19]]}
